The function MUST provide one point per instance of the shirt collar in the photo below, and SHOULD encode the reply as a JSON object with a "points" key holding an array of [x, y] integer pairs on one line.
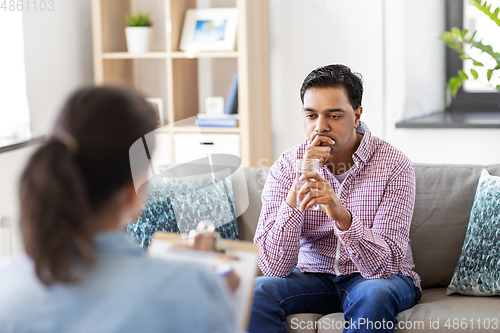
{"points": [[364, 151]]}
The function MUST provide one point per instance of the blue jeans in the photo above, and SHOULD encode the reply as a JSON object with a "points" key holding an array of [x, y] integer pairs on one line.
{"points": [[362, 301]]}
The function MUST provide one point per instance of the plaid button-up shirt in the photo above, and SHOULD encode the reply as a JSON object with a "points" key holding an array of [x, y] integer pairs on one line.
{"points": [[379, 191]]}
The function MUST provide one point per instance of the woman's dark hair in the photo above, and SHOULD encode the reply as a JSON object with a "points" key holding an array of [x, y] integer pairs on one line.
{"points": [[335, 76], [75, 173]]}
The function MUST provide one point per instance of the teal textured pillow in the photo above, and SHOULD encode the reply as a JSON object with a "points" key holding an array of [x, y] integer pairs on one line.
{"points": [[198, 198], [477, 272]]}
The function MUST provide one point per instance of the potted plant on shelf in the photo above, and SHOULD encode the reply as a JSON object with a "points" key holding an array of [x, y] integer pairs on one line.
{"points": [[138, 32]]}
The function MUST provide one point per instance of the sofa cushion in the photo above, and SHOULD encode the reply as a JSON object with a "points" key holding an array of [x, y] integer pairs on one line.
{"points": [[156, 215], [303, 323], [444, 197], [477, 269], [201, 197], [455, 313]]}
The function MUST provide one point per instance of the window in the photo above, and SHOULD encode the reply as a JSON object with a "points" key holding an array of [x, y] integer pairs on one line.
{"points": [[14, 112], [473, 96]]}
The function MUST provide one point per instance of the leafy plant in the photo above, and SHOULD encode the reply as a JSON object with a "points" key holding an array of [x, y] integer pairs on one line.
{"points": [[463, 41], [140, 19]]}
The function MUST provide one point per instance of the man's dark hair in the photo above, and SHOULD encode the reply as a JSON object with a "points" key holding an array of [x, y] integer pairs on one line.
{"points": [[335, 76]]}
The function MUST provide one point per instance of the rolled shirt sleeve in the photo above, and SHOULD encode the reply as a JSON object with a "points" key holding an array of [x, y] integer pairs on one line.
{"points": [[378, 251], [279, 228]]}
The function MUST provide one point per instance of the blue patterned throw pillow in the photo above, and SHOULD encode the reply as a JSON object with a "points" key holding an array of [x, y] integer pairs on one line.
{"points": [[179, 204], [477, 272]]}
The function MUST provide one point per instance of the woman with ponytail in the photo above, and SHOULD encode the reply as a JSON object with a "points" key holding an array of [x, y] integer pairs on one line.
{"points": [[81, 271]]}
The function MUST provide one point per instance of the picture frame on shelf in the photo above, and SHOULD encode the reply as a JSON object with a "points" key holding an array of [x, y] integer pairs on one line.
{"points": [[158, 105], [214, 105], [211, 29]]}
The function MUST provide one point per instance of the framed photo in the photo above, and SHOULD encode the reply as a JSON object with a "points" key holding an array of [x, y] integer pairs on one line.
{"points": [[158, 105], [212, 29]]}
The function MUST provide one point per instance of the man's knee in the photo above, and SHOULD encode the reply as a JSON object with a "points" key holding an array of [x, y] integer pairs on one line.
{"points": [[374, 291], [266, 286]]}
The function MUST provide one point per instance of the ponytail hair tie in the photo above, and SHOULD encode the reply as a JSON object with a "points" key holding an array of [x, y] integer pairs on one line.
{"points": [[67, 140]]}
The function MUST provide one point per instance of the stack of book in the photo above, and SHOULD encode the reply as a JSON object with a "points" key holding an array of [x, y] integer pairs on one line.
{"points": [[217, 120]]}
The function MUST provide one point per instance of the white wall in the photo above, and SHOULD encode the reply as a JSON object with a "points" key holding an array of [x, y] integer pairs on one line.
{"points": [[306, 34], [58, 58], [14, 111], [58, 55], [425, 75]]}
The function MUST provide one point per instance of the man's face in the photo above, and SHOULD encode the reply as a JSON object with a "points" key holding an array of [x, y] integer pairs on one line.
{"points": [[327, 112]]}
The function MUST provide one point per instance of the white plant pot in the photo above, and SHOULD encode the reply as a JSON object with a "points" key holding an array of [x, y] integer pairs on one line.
{"points": [[138, 39]]}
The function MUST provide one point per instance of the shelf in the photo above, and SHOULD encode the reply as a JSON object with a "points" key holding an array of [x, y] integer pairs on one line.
{"points": [[176, 55], [204, 54], [126, 55], [194, 129]]}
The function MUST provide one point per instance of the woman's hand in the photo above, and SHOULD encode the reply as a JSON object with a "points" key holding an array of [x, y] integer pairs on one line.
{"points": [[224, 268], [206, 242]]}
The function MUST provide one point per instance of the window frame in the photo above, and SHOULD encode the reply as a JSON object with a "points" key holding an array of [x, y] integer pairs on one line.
{"points": [[464, 101]]}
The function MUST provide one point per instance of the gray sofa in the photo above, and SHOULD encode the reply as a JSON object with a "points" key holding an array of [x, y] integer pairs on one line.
{"points": [[444, 198]]}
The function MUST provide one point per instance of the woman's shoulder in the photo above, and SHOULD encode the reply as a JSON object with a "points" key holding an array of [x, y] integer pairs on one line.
{"points": [[145, 275], [150, 293], [179, 271], [14, 267]]}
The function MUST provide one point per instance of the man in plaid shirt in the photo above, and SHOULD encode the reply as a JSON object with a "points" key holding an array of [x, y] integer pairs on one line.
{"points": [[353, 255]]}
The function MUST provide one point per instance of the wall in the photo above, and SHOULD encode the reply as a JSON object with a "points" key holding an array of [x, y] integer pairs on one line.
{"points": [[424, 53], [305, 34], [58, 59]]}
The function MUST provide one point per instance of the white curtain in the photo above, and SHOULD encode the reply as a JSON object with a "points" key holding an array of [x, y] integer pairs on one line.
{"points": [[14, 111]]}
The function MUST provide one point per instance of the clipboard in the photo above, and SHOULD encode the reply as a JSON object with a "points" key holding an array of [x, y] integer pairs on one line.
{"points": [[246, 265]]}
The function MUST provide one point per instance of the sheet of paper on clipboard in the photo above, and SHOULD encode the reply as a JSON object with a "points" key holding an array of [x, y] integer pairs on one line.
{"points": [[246, 266]]}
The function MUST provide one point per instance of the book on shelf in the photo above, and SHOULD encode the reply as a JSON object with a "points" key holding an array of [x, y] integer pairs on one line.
{"points": [[217, 122], [218, 116]]}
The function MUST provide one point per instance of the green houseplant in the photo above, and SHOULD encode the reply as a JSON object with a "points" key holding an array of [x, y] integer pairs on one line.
{"points": [[138, 32], [139, 19], [462, 41]]}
